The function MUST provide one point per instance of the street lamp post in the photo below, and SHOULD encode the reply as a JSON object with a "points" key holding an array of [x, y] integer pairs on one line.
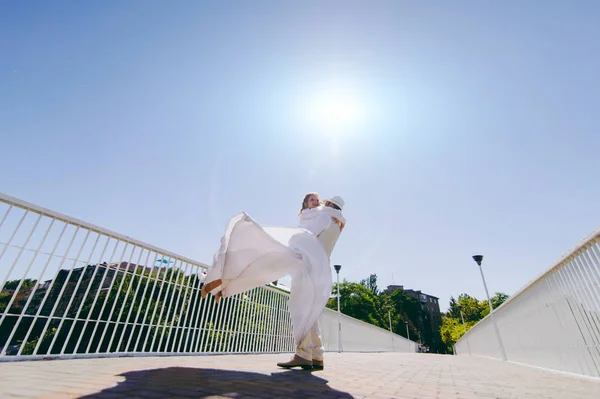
{"points": [[407, 333], [390, 319], [337, 271], [463, 320], [478, 259]]}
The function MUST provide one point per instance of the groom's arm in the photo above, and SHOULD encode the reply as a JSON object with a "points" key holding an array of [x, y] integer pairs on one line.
{"points": [[339, 223], [319, 224], [334, 213]]}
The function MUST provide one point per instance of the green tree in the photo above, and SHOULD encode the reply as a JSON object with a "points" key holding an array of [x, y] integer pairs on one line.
{"points": [[409, 311], [359, 302], [449, 331], [452, 330], [20, 296], [473, 311], [12, 284], [498, 299], [363, 301], [108, 310], [371, 284]]}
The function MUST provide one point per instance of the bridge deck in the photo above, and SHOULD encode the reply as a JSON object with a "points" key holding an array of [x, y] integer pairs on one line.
{"points": [[346, 375]]}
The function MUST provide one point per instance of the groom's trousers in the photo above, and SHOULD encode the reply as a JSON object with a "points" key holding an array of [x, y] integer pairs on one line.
{"points": [[311, 346]]}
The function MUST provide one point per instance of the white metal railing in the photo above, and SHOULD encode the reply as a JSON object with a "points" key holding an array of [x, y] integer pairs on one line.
{"points": [[553, 322], [72, 289]]}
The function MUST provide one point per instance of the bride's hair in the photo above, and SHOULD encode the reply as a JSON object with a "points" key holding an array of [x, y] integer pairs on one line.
{"points": [[305, 201]]}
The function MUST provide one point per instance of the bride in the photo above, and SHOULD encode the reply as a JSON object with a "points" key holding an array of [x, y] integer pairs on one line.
{"points": [[252, 255]]}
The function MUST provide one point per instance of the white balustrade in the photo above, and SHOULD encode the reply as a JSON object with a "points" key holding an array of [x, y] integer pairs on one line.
{"points": [[553, 322], [72, 289]]}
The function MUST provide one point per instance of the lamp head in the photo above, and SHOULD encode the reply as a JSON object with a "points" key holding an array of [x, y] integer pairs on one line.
{"points": [[478, 259], [337, 268]]}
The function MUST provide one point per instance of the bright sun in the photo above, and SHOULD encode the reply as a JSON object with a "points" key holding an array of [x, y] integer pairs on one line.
{"points": [[338, 111]]}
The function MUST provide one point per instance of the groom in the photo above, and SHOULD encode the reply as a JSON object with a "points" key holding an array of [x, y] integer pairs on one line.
{"points": [[309, 353]]}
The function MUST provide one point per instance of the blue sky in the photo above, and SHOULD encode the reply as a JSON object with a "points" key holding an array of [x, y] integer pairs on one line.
{"points": [[160, 120]]}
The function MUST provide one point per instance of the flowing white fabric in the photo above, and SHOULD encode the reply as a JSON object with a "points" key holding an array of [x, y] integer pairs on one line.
{"points": [[252, 255]]}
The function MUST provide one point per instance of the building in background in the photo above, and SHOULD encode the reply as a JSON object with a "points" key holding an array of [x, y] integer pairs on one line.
{"points": [[430, 319]]}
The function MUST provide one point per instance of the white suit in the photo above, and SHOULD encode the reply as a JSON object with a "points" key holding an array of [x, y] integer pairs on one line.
{"points": [[311, 345]]}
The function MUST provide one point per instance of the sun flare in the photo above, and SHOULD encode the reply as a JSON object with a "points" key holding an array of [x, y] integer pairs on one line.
{"points": [[337, 111]]}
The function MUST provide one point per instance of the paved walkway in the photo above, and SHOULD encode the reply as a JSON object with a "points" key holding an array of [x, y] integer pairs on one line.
{"points": [[346, 375]]}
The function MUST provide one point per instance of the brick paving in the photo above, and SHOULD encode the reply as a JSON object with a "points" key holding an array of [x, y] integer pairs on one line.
{"points": [[346, 375]]}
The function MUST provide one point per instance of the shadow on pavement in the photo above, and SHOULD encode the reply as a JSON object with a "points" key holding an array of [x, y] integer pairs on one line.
{"points": [[203, 383]]}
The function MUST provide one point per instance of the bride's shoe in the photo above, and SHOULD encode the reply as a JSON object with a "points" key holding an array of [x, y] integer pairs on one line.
{"points": [[206, 288]]}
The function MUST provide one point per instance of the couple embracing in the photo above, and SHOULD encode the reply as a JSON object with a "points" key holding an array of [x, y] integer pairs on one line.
{"points": [[252, 255]]}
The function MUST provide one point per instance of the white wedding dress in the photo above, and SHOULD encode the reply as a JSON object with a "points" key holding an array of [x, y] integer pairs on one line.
{"points": [[252, 255]]}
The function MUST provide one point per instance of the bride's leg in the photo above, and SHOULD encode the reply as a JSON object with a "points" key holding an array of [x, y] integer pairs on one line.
{"points": [[206, 288]]}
